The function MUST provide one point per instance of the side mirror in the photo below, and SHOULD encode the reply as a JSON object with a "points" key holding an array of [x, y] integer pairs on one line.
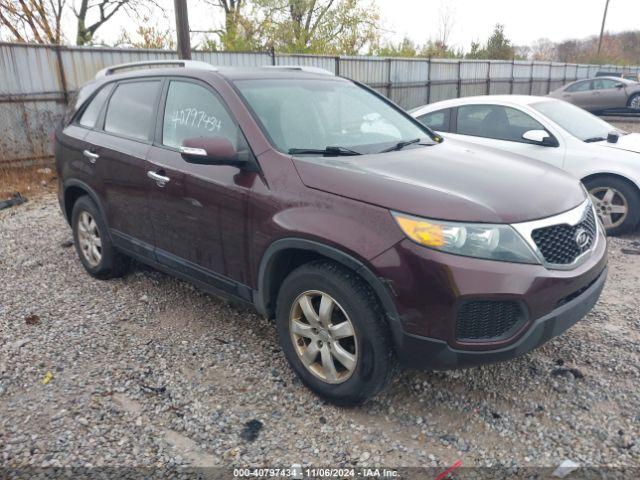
{"points": [[612, 137], [619, 85], [540, 137], [210, 151]]}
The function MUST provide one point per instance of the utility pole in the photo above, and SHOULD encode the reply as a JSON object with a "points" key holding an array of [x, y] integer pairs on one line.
{"points": [[182, 29], [604, 19]]}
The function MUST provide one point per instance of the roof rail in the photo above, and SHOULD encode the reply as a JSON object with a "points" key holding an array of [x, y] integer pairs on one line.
{"points": [[152, 63], [302, 68]]}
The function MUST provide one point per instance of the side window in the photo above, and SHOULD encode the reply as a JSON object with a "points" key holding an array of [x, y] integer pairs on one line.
{"points": [[90, 115], [194, 111], [495, 121], [604, 84], [130, 110], [438, 120], [580, 87]]}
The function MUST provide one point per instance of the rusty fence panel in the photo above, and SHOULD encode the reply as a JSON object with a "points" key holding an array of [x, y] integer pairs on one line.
{"points": [[36, 82]]}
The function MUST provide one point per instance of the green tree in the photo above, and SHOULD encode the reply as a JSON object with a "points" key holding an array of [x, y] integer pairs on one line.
{"points": [[405, 48], [317, 26], [498, 46], [238, 33]]}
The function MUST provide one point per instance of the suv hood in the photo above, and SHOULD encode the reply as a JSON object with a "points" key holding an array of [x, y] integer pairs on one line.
{"points": [[453, 180], [629, 142]]}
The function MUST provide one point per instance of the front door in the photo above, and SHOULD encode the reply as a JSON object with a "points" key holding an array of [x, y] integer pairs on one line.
{"points": [[608, 94], [502, 127], [199, 212]]}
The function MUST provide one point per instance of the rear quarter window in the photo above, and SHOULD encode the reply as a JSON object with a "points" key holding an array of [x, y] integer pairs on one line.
{"points": [[90, 115], [438, 120]]}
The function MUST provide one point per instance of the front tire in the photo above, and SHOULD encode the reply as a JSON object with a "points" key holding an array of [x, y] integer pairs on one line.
{"points": [[333, 333], [617, 203], [634, 102], [93, 244]]}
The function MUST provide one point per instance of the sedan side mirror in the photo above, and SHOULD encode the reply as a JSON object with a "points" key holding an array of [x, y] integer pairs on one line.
{"points": [[619, 85], [210, 151], [540, 137]]}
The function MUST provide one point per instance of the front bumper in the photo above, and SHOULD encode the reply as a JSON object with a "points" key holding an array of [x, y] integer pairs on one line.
{"points": [[429, 353]]}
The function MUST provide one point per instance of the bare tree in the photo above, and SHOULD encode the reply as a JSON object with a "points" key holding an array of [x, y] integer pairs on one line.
{"points": [[446, 21], [36, 21], [102, 11], [543, 50]]}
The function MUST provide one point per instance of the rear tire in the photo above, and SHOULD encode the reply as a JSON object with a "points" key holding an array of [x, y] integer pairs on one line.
{"points": [[617, 203], [353, 331], [93, 244]]}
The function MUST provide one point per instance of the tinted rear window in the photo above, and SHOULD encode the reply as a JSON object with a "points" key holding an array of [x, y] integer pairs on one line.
{"points": [[130, 110], [438, 120], [90, 115]]}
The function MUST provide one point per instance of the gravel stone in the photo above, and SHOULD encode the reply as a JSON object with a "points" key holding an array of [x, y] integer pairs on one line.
{"points": [[149, 371]]}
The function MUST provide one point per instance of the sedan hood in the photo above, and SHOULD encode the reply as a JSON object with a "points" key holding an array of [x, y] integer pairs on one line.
{"points": [[453, 180], [629, 142]]}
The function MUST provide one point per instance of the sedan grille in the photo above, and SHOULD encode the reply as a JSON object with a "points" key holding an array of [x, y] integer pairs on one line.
{"points": [[488, 320], [562, 244]]}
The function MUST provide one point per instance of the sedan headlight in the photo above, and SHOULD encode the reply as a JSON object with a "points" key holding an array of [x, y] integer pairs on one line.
{"points": [[480, 240]]}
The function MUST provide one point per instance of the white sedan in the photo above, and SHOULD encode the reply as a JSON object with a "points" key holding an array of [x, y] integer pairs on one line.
{"points": [[606, 159]]}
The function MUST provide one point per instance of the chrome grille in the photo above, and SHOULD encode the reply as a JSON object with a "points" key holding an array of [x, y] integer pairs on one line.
{"points": [[562, 244]]}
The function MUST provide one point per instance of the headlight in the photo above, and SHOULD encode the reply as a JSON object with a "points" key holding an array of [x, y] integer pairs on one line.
{"points": [[480, 240]]}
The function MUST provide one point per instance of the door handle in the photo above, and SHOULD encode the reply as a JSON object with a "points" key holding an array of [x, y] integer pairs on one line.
{"points": [[91, 156], [160, 180]]}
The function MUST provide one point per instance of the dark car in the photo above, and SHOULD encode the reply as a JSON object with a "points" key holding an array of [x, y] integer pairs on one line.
{"points": [[366, 236]]}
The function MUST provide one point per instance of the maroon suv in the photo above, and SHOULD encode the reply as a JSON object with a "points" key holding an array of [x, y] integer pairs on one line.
{"points": [[366, 236]]}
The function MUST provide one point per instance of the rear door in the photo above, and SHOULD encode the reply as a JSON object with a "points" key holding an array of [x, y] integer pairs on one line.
{"points": [[120, 145], [79, 160], [579, 94], [200, 213]]}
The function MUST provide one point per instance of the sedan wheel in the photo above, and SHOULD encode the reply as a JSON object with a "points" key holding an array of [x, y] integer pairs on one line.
{"points": [[323, 337], [635, 102], [611, 206]]}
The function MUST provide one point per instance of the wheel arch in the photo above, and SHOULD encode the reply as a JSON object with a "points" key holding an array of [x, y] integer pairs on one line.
{"points": [[619, 176], [283, 255], [73, 190]]}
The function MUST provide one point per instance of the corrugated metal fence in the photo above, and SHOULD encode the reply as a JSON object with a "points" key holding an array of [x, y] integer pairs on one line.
{"points": [[36, 81]]}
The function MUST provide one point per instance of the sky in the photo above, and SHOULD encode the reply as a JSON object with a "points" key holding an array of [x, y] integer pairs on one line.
{"points": [[524, 21], [472, 20]]}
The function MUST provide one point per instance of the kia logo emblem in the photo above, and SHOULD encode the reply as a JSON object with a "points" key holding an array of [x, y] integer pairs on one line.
{"points": [[582, 238]]}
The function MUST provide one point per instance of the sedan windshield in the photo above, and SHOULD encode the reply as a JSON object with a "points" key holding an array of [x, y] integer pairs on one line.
{"points": [[576, 121], [328, 117]]}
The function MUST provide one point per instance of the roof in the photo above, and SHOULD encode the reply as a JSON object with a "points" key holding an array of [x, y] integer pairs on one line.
{"points": [[484, 99]]}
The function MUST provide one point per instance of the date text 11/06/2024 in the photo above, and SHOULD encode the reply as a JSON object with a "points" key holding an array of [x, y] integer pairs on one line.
{"points": [[298, 472]]}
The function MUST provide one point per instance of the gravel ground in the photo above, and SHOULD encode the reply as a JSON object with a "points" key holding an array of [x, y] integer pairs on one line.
{"points": [[148, 371]]}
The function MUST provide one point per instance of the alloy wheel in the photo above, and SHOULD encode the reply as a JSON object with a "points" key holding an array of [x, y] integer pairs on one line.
{"points": [[611, 206], [323, 337], [635, 102], [89, 239]]}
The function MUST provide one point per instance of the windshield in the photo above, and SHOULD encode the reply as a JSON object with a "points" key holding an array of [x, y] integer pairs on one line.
{"points": [[299, 114], [576, 121]]}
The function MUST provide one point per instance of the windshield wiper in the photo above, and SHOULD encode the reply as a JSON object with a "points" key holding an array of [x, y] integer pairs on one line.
{"points": [[401, 145], [331, 151], [595, 139]]}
